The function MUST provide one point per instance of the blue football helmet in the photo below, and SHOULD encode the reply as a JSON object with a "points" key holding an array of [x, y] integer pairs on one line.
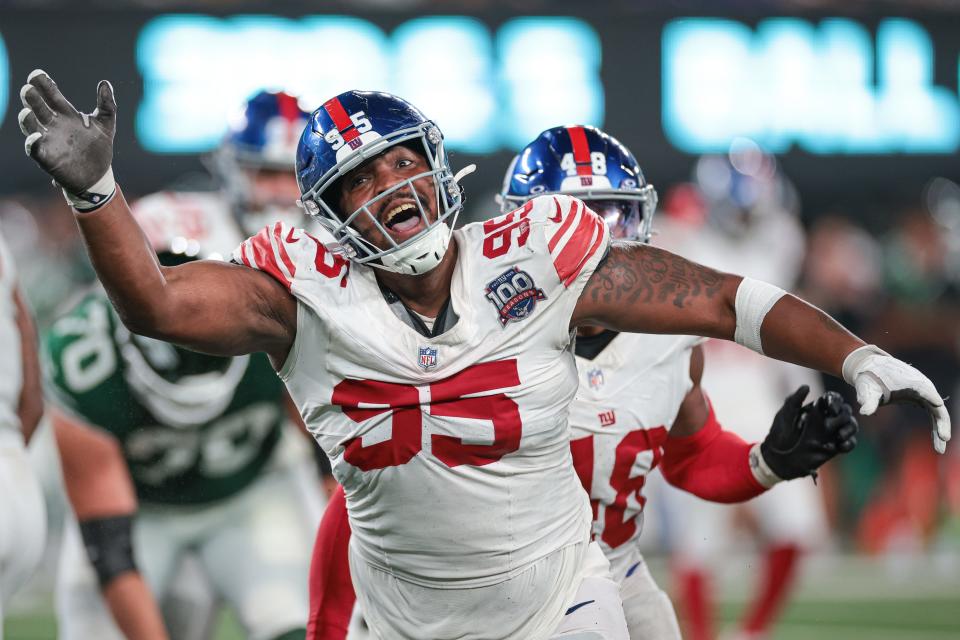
{"points": [[584, 162], [263, 138], [352, 128], [744, 187]]}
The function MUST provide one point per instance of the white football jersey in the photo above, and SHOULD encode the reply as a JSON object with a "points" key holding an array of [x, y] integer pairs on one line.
{"points": [[201, 216], [628, 398], [11, 366], [453, 451]]}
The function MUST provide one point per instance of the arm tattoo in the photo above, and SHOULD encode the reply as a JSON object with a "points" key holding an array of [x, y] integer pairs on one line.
{"points": [[633, 272]]}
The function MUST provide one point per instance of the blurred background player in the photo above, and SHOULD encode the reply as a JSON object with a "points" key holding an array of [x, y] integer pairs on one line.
{"points": [[22, 515], [254, 165], [742, 213], [168, 454]]}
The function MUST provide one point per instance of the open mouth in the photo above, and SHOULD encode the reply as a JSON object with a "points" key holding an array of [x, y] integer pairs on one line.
{"points": [[401, 218]]}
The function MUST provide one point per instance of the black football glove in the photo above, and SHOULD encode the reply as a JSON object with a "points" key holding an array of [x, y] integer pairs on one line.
{"points": [[75, 148], [803, 437]]}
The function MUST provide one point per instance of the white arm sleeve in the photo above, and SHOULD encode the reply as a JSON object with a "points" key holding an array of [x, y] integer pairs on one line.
{"points": [[754, 301]]}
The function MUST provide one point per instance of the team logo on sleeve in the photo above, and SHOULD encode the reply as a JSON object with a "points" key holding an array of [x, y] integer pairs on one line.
{"points": [[515, 295], [428, 358]]}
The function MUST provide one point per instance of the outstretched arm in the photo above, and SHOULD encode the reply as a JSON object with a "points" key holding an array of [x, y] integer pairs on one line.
{"points": [[642, 288], [208, 306], [645, 289], [703, 458]]}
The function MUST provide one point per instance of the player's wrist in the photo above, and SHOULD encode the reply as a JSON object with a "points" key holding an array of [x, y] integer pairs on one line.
{"points": [[94, 197], [765, 476], [856, 360]]}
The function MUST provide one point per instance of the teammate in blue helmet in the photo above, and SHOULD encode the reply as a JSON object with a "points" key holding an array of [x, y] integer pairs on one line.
{"points": [[588, 163], [439, 382], [256, 159]]}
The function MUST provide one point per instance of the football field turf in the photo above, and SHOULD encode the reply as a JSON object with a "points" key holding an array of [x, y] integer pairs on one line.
{"points": [[839, 597], [915, 619]]}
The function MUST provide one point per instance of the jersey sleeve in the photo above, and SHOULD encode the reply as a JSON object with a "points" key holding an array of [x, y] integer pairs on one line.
{"points": [[576, 238], [294, 258], [537, 259]]}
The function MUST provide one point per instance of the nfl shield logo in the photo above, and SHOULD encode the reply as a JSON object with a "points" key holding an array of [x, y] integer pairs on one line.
{"points": [[428, 358], [595, 378]]}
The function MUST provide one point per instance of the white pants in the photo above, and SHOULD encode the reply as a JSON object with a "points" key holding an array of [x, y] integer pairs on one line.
{"points": [[649, 612], [23, 520], [254, 548], [569, 594]]}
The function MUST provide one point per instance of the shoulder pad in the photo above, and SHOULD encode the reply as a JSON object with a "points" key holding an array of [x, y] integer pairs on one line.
{"points": [[289, 254], [573, 233]]}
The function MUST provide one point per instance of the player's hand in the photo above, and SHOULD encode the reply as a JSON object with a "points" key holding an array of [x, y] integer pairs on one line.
{"points": [[879, 378], [75, 148], [804, 437]]}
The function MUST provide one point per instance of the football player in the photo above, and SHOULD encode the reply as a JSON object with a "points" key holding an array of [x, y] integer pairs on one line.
{"points": [[23, 527], [438, 374], [747, 218], [254, 163], [168, 453], [640, 404]]}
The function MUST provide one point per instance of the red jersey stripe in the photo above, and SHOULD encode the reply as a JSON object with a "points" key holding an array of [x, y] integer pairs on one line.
{"points": [[265, 258], [282, 250], [578, 249], [581, 151], [244, 256], [587, 255], [552, 244]]}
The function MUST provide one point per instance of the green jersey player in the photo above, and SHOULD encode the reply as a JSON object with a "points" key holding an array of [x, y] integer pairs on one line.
{"points": [[171, 455]]}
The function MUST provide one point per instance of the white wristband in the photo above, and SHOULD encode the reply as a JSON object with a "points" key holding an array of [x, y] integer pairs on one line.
{"points": [[762, 473], [754, 301], [854, 361], [94, 197]]}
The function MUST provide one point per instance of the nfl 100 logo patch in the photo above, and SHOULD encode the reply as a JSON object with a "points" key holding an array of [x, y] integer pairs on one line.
{"points": [[514, 294], [428, 358]]}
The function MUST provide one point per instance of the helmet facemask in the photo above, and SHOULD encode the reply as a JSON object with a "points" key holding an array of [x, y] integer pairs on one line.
{"points": [[415, 255]]}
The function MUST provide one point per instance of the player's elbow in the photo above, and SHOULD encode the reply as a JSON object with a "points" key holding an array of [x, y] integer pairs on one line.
{"points": [[30, 411], [144, 320], [724, 316]]}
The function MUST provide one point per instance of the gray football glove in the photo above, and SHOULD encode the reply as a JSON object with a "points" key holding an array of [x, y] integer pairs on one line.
{"points": [[75, 148]]}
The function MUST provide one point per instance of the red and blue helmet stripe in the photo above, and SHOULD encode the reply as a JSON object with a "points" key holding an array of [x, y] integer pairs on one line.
{"points": [[581, 161]]}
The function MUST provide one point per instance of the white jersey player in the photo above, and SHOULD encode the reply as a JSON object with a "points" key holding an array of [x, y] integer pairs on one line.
{"points": [[23, 523], [634, 391], [449, 433]]}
